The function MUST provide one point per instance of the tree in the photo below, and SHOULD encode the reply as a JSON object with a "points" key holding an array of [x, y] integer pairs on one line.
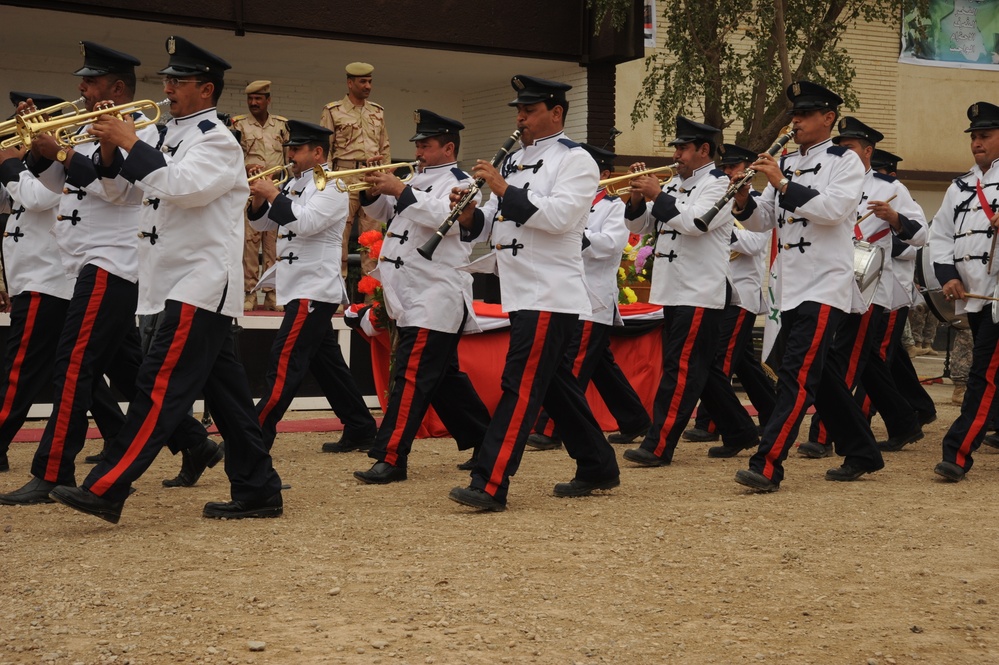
{"points": [[782, 41]]}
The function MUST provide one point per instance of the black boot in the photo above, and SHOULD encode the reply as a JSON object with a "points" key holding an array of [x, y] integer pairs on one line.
{"points": [[194, 461]]}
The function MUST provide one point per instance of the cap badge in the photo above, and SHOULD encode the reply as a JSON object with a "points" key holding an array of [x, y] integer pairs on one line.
{"points": [[171, 46], [974, 110], [416, 117], [518, 84], [796, 89], [842, 124], [83, 49]]}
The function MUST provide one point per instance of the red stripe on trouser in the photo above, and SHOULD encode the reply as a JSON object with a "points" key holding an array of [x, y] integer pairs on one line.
{"points": [[406, 401], [577, 366], [34, 302], [858, 345], [784, 436], [71, 381], [883, 354], [982, 414], [283, 359], [681, 379], [730, 350], [523, 397], [160, 385]]}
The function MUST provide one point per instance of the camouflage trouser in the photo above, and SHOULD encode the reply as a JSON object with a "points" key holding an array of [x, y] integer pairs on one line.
{"points": [[960, 356], [923, 325], [907, 340]]}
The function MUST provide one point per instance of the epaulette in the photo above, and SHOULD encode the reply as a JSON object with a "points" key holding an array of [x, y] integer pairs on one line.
{"points": [[718, 173], [837, 150], [206, 126], [333, 104], [459, 174], [377, 106], [885, 177], [569, 143], [279, 118], [237, 118], [961, 184]]}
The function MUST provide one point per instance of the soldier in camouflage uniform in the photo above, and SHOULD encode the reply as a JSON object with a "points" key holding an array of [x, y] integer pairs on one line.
{"points": [[261, 135], [960, 363], [359, 138]]}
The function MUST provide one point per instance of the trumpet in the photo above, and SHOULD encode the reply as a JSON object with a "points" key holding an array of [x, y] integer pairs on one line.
{"points": [[621, 185], [67, 109], [285, 171], [323, 177], [65, 129], [704, 220]]}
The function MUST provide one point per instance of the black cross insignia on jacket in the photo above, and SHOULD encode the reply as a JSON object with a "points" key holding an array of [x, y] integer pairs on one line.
{"points": [[687, 191], [15, 235], [172, 151], [800, 245], [289, 235], [671, 189], [80, 193], [17, 212], [795, 220], [863, 197], [298, 193], [402, 238], [291, 258], [988, 233], [73, 219], [152, 235], [397, 262], [532, 167], [514, 246], [155, 203], [984, 258], [672, 255], [811, 170], [673, 233]]}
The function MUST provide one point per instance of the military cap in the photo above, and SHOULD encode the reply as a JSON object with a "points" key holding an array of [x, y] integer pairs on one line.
{"points": [[430, 124], [41, 101], [359, 69], [187, 59], [688, 131], [983, 116], [808, 96], [603, 158], [851, 128], [100, 60], [531, 90], [258, 88], [301, 133], [882, 159], [732, 154]]}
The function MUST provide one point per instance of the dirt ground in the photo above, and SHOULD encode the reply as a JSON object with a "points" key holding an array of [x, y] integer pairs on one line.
{"points": [[678, 565]]}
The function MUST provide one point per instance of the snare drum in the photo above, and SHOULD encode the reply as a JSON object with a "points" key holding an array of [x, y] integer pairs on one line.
{"points": [[868, 263], [928, 285]]}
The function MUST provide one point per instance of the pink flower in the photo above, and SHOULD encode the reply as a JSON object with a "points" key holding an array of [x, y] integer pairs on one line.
{"points": [[642, 257]]}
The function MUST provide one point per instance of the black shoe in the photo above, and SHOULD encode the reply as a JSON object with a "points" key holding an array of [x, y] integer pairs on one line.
{"points": [[926, 417], [542, 442], [577, 487], [4, 464], [845, 473], [992, 441], [82, 499], [36, 491], [896, 443], [272, 506], [469, 464], [99, 457], [628, 437], [815, 450], [756, 481], [729, 451], [476, 498], [348, 445], [381, 473], [194, 461], [699, 435], [950, 471], [644, 457]]}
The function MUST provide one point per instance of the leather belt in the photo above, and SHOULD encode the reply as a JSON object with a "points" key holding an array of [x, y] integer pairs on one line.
{"points": [[343, 164]]}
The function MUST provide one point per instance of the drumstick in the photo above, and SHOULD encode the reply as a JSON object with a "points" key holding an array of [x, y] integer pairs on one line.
{"points": [[992, 249], [872, 212], [978, 297]]}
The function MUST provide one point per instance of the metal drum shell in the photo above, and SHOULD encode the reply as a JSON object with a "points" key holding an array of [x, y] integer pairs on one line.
{"points": [[931, 291]]}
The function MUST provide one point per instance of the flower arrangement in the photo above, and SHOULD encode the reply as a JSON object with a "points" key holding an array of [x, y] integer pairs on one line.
{"points": [[371, 244], [635, 273]]}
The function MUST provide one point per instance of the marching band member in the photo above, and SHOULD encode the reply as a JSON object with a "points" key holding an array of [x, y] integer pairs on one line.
{"points": [[190, 269], [961, 243], [812, 198], [430, 301], [309, 228], [691, 280], [537, 232]]}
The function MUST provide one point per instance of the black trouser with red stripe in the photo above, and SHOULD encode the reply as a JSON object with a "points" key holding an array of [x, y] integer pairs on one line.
{"points": [[691, 370], [902, 371], [537, 374], [592, 359], [36, 321], [98, 337], [427, 374], [193, 352], [806, 377], [306, 342], [966, 433], [736, 355]]}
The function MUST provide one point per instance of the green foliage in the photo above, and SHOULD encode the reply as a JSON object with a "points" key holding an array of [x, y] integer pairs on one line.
{"points": [[701, 72], [618, 10]]}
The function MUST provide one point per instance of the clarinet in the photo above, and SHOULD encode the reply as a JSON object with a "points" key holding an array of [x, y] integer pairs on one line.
{"points": [[704, 220], [427, 250]]}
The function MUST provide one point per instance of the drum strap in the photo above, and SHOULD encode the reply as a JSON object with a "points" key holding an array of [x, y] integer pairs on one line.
{"points": [[986, 206]]}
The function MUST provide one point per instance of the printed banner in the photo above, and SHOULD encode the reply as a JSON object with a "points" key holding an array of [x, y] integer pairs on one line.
{"points": [[650, 23], [955, 33]]}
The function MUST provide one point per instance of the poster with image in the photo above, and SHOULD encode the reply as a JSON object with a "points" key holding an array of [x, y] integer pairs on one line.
{"points": [[953, 33]]}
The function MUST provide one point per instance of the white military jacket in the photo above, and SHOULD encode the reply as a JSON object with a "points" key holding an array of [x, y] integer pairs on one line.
{"points": [[961, 235], [309, 225], [903, 268], [604, 240], [691, 266], [876, 231], [191, 245], [815, 217], [419, 292], [30, 254], [537, 227], [98, 213], [747, 268]]}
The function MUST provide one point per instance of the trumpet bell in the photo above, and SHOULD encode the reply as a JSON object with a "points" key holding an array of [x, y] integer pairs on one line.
{"points": [[66, 129], [322, 177], [621, 185]]}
